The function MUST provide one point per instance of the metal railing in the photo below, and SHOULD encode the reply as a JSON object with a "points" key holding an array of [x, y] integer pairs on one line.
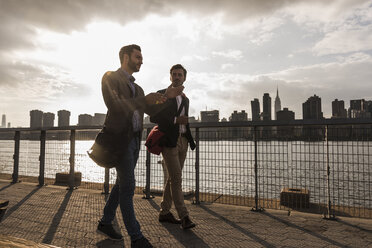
{"points": [[314, 166]]}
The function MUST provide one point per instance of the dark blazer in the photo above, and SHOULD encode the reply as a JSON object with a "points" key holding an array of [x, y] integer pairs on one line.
{"points": [[121, 104], [165, 121]]}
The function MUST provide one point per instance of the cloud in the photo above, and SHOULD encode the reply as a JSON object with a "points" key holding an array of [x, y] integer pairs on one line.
{"points": [[211, 37], [345, 41], [229, 54], [347, 79], [23, 81]]}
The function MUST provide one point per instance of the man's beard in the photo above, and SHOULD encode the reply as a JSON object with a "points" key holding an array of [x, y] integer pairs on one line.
{"points": [[132, 66]]}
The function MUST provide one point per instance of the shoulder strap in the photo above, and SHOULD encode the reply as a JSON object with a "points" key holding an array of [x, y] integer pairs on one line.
{"points": [[181, 106]]}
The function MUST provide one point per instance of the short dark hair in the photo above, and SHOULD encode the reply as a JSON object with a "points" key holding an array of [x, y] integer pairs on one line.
{"points": [[128, 50], [178, 66]]}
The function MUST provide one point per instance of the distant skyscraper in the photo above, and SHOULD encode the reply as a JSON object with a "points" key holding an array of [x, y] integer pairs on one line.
{"points": [[338, 109], [239, 116], [255, 106], [357, 104], [266, 107], [3, 121], [85, 120], [36, 119], [312, 108], [210, 116], [285, 115], [64, 118], [48, 119], [277, 105], [358, 109], [99, 119], [9, 125]]}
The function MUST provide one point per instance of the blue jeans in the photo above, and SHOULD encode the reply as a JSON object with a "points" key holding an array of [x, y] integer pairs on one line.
{"points": [[123, 192]]}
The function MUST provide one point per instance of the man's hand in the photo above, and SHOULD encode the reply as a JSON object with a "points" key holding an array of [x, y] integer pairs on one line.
{"points": [[155, 98], [183, 120], [172, 92]]}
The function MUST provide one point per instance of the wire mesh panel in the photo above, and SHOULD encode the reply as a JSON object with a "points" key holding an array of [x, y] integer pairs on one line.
{"points": [[272, 169], [226, 165], [29, 156], [6, 154], [92, 175], [57, 153], [307, 173], [308, 167], [351, 171]]}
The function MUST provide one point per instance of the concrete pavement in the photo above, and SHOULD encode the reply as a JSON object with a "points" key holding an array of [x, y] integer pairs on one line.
{"points": [[53, 216]]}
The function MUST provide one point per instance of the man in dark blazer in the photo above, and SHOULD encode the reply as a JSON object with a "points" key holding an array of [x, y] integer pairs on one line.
{"points": [[173, 121], [126, 104]]}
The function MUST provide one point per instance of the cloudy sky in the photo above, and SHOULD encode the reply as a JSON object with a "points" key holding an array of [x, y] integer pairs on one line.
{"points": [[53, 53]]}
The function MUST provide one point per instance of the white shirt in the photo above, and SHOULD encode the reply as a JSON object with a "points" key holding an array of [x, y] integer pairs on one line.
{"points": [[179, 101]]}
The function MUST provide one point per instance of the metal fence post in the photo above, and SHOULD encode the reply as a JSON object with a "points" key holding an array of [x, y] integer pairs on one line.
{"points": [[17, 138], [106, 184], [330, 214], [71, 181], [255, 208], [148, 171], [197, 168], [42, 157]]}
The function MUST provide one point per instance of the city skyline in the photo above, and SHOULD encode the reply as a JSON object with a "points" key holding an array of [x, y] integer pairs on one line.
{"points": [[234, 51], [311, 109]]}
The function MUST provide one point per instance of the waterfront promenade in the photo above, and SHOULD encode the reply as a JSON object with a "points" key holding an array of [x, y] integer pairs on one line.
{"points": [[53, 216]]}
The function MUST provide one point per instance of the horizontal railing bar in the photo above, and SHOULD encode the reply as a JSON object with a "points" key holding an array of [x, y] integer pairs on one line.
{"points": [[219, 124]]}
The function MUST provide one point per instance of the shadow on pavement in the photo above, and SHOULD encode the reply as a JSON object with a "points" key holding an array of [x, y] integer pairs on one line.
{"points": [[179, 234], [7, 186], [16, 206], [333, 242], [57, 219], [354, 226], [237, 227]]}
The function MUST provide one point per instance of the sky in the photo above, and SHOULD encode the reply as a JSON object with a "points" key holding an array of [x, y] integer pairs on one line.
{"points": [[53, 53]]}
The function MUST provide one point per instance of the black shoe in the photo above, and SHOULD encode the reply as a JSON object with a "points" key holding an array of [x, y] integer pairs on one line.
{"points": [[169, 218], [141, 243], [186, 223], [109, 231]]}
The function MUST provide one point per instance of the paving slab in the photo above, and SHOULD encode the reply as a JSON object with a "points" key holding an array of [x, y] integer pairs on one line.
{"points": [[53, 216]]}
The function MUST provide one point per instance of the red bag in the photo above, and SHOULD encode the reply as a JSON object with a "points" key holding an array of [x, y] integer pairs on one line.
{"points": [[153, 143]]}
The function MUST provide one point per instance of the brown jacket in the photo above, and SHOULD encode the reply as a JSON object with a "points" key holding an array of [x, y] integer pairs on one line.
{"points": [[121, 104]]}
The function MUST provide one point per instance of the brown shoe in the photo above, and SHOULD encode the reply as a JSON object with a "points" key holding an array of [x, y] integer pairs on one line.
{"points": [[169, 218], [186, 223]]}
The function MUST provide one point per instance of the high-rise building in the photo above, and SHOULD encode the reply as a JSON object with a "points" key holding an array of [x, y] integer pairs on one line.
{"points": [[358, 109], [3, 121], [99, 119], [64, 118], [85, 120], [255, 105], [48, 119], [285, 115], [210, 116], [277, 104], [266, 107], [357, 104], [9, 125], [312, 108], [239, 116], [36, 118], [338, 109]]}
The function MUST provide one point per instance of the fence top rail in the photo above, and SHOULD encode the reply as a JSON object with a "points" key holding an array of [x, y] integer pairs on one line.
{"points": [[323, 122]]}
